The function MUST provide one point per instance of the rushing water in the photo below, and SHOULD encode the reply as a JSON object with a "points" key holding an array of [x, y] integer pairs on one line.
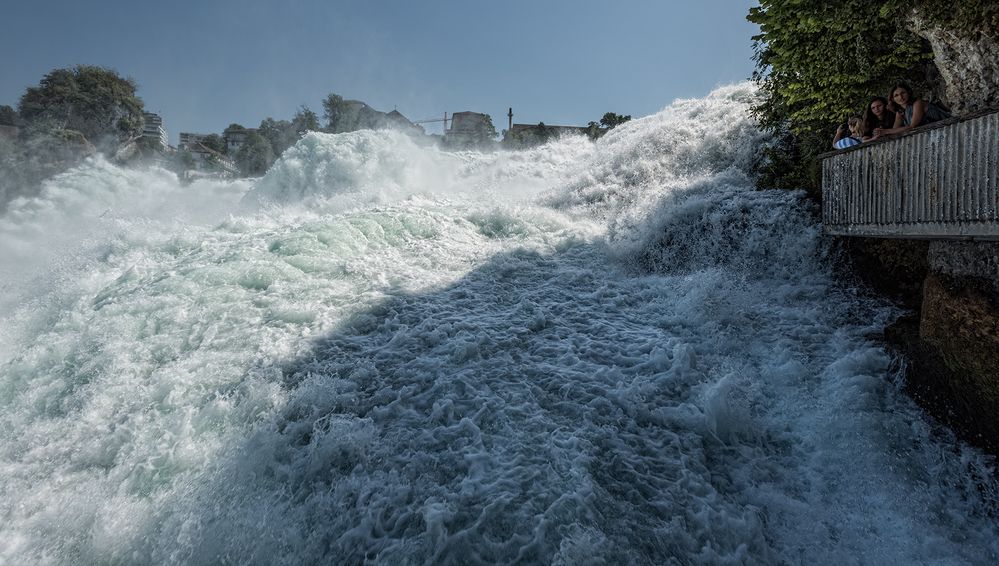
{"points": [[611, 353]]}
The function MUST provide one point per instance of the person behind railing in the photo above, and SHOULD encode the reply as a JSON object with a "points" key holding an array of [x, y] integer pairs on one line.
{"points": [[915, 111], [879, 114], [842, 141]]}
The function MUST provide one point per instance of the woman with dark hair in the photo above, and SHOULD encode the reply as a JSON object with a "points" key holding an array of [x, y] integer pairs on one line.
{"points": [[915, 112], [878, 115]]}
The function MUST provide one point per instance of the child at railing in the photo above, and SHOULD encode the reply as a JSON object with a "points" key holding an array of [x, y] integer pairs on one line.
{"points": [[856, 126]]}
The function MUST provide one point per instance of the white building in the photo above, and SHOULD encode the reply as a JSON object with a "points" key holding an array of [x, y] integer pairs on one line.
{"points": [[235, 138], [207, 162], [189, 140], [152, 127]]}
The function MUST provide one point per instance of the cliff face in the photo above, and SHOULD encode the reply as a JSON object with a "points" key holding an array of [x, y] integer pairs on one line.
{"points": [[954, 347], [968, 63], [958, 346]]}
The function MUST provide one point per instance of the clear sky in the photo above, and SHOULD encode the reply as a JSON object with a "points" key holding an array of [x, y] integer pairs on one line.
{"points": [[205, 64]]}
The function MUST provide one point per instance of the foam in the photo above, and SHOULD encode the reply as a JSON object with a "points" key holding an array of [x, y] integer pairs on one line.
{"points": [[380, 352]]}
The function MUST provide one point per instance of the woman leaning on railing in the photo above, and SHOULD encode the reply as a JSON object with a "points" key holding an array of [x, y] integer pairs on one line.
{"points": [[916, 112]]}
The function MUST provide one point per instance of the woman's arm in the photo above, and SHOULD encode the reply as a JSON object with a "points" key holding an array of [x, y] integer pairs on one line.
{"points": [[918, 111], [899, 126]]}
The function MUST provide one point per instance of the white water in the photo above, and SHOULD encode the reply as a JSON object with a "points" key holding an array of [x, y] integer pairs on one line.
{"points": [[581, 354]]}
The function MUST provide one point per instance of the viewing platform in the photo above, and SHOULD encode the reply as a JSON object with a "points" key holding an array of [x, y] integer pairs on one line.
{"points": [[940, 181]]}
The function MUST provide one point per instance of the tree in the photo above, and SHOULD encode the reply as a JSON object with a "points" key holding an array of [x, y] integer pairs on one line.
{"points": [[543, 133], [215, 143], [184, 161], [487, 133], [305, 121], [280, 134], [333, 109], [611, 120], [608, 122], [8, 116], [231, 129], [94, 101], [255, 156], [351, 115]]}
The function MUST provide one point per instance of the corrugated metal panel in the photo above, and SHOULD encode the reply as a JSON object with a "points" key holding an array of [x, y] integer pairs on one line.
{"points": [[938, 182]]}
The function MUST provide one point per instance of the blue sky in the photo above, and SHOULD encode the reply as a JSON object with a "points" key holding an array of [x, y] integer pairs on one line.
{"points": [[203, 65]]}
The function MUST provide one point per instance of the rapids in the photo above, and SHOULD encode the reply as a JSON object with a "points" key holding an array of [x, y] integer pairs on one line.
{"points": [[610, 353]]}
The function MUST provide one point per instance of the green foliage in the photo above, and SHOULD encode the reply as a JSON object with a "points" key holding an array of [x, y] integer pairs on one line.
{"points": [[8, 116], [972, 17], [215, 143], [92, 100], [234, 127], [148, 145], [351, 115], [543, 132], [608, 122], [255, 156], [280, 134], [819, 62], [333, 108], [611, 120], [305, 121], [488, 131]]}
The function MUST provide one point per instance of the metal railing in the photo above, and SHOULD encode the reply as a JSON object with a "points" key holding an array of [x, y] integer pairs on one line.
{"points": [[940, 181]]}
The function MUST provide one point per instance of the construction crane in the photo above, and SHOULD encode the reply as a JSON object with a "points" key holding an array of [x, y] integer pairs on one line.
{"points": [[445, 120]]}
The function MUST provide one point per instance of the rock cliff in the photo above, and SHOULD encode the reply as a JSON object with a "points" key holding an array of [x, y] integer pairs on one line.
{"points": [[967, 60], [953, 348]]}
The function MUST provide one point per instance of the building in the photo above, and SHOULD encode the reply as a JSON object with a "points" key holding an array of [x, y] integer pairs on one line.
{"points": [[207, 160], [469, 129], [189, 140], [152, 128], [235, 138], [397, 121], [525, 135]]}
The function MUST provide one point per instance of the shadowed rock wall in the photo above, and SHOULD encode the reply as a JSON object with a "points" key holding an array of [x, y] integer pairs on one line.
{"points": [[968, 63], [956, 358]]}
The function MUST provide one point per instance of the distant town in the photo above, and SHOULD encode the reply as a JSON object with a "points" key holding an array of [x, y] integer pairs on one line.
{"points": [[77, 112], [217, 155]]}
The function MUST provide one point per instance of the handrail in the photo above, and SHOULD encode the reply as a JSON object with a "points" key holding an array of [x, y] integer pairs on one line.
{"points": [[915, 131], [937, 181]]}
